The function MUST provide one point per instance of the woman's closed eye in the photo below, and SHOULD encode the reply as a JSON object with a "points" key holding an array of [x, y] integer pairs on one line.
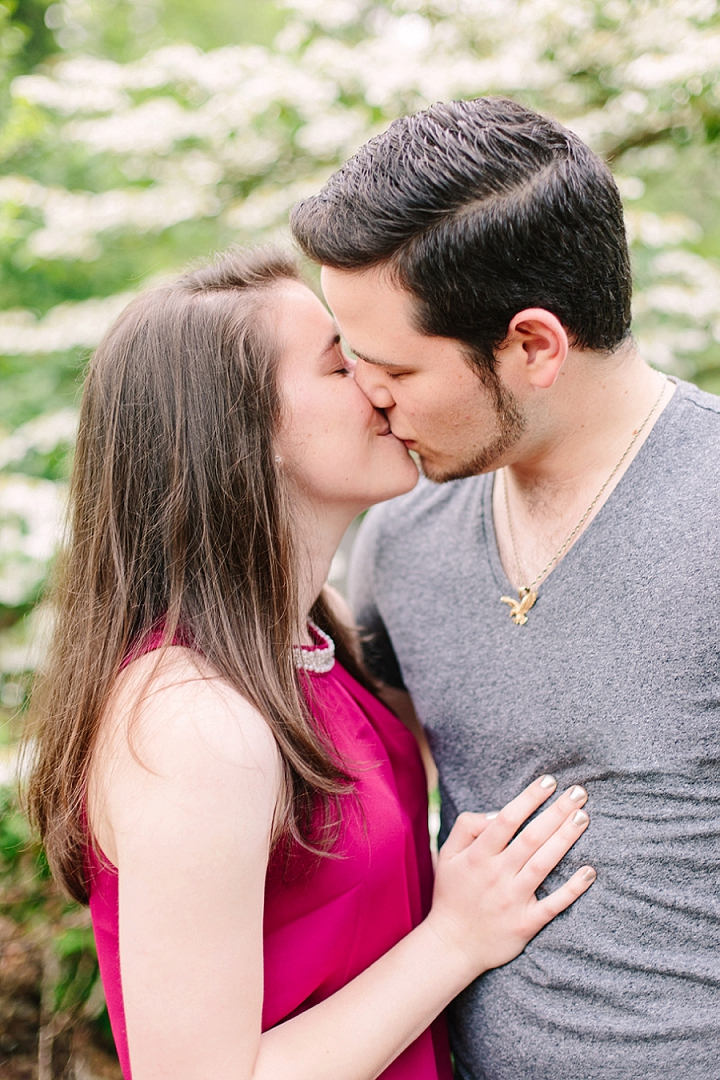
{"points": [[346, 364]]}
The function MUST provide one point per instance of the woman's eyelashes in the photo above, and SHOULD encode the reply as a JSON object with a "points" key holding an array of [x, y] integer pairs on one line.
{"points": [[347, 361], [348, 355]]}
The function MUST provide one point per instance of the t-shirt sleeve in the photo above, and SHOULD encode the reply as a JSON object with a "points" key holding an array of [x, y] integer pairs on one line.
{"points": [[377, 648]]}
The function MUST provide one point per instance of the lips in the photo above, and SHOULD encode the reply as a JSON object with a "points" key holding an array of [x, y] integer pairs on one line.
{"points": [[386, 429], [409, 443]]}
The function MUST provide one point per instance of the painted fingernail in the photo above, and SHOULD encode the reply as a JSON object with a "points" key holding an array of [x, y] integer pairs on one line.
{"points": [[589, 874], [547, 781], [580, 817], [578, 793], [491, 815]]}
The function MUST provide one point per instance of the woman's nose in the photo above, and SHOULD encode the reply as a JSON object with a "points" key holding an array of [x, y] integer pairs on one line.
{"points": [[371, 382]]}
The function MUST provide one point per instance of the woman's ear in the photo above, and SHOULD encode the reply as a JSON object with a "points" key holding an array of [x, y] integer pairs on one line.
{"points": [[543, 340]]}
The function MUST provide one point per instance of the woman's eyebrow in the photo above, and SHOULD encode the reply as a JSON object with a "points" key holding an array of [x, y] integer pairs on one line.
{"points": [[332, 342]]}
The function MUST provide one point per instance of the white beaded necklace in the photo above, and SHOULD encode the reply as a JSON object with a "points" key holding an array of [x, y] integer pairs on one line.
{"points": [[312, 658]]}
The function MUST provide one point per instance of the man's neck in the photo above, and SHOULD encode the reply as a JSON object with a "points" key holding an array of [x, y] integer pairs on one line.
{"points": [[580, 443], [592, 409]]}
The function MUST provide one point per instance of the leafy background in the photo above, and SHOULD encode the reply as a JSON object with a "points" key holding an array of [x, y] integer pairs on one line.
{"points": [[137, 134]]}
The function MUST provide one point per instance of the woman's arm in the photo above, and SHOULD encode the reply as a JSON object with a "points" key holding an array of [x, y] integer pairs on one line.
{"points": [[189, 825], [182, 801]]}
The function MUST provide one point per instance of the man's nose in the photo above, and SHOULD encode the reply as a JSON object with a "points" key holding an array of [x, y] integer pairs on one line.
{"points": [[373, 384]]}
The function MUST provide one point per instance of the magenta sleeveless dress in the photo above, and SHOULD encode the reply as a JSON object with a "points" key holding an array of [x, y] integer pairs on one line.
{"points": [[326, 920]]}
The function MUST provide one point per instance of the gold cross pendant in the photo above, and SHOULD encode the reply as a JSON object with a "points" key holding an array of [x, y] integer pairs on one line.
{"points": [[519, 608]]}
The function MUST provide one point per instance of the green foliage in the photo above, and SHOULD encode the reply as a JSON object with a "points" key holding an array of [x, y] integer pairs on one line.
{"points": [[11, 38], [26, 888], [37, 42], [59, 982], [75, 948], [14, 834], [232, 21]]}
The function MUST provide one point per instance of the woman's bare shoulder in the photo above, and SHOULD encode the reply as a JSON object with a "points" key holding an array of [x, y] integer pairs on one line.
{"points": [[175, 693], [174, 726]]}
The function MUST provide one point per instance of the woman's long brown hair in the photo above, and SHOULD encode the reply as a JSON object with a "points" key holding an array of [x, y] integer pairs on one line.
{"points": [[180, 520]]}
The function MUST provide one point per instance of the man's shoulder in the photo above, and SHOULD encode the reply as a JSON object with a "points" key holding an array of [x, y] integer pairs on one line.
{"points": [[691, 438], [400, 542], [428, 504], [693, 401]]}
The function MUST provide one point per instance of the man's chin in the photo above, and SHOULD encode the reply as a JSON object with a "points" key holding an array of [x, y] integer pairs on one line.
{"points": [[484, 460], [444, 472]]}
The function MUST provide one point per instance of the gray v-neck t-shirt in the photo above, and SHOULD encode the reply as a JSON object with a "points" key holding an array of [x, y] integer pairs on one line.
{"points": [[614, 683]]}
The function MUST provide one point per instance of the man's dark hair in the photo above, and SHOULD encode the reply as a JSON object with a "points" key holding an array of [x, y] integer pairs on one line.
{"points": [[480, 209]]}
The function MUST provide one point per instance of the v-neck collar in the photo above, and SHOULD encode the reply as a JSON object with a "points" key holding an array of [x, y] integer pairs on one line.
{"points": [[493, 552]]}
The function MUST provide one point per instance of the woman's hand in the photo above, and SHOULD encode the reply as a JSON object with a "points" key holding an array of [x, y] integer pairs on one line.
{"points": [[484, 913], [484, 903]]}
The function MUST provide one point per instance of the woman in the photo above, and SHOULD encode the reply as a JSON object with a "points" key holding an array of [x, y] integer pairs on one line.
{"points": [[253, 844]]}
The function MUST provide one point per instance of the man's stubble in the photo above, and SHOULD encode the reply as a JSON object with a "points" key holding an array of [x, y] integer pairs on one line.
{"points": [[511, 423]]}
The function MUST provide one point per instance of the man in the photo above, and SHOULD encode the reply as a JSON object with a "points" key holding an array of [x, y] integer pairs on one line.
{"points": [[547, 593]]}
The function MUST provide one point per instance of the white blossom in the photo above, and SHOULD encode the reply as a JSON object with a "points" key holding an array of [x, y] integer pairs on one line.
{"points": [[95, 95], [30, 515], [64, 327], [268, 207], [661, 230], [693, 292], [8, 765], [42, 435]]}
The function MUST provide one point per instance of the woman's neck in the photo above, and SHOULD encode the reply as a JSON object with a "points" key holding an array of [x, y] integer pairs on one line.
{"points": [[319, 533]]}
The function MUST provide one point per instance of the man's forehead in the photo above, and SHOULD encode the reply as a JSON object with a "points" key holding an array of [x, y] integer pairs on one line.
{"points": [[373, 281]]}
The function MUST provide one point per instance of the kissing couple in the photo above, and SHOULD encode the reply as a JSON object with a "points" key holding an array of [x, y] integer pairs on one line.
{"points": [[228, 761]]}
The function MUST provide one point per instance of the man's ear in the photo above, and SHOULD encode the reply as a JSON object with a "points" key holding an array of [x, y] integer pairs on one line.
{"points": [[543, 340]]}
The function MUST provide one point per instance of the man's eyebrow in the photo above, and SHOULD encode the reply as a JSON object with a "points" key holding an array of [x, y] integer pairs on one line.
{"points": [[371, 360]]}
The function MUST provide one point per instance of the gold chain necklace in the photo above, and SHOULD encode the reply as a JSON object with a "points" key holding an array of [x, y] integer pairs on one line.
{"points": [[527, 594]]}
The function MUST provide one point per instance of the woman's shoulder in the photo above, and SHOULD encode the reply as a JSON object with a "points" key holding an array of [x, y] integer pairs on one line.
{"points": [[174, 725], [173, 699]]}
